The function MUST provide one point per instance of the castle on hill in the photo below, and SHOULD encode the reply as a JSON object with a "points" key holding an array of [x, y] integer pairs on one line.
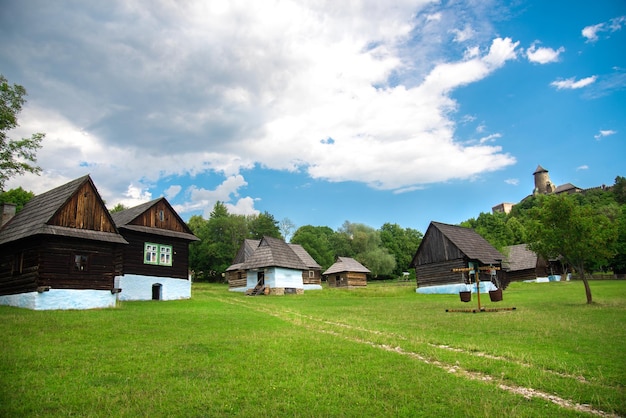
{"points": [[543, 185]]}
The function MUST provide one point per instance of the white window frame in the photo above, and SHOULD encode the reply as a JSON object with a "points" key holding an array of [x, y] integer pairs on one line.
{"points": [[157, 254]]}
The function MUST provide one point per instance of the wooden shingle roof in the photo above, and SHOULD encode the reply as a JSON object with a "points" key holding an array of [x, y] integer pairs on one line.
{"points": [[125, 219], [274, 252], [470, 243], [246, 250], [305, 256], [346, 264], [519, 258], [36, 215]]}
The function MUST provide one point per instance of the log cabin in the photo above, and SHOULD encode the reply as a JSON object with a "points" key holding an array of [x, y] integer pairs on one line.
{"points": [[522, 264], [156, 261], [61, 251], [346, 272], [450, 256], [273, 266]]}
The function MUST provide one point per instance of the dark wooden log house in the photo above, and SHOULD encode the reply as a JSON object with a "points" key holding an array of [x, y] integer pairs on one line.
{"points": [[61, 251], [156, 261], [445, 248]]}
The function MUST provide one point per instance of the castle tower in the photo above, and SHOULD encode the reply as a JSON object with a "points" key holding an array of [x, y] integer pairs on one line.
{"points": [[543, 185]]}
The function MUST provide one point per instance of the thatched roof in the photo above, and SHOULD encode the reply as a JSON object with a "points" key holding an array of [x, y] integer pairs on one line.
{"points": [[33, 219], [346, 264]]}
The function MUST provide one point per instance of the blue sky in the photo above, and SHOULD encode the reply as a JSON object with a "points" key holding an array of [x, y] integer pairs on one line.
{"points": [[321, 111]]}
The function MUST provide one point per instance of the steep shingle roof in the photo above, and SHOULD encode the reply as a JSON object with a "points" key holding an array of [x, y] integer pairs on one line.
{"points": [[246, 251], [274, 252], [345, 264], [520, 258], [34, 217], [470, 243], [305, 256], [124, 219]]}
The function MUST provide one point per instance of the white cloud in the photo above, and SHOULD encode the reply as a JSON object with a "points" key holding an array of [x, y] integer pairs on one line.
{"points": [[571, 83], [542, 55], [185, 89], [172, 191], [613, 25], [603, 133], [463, 35], [512, 182], [244, 206], [582, 167]]}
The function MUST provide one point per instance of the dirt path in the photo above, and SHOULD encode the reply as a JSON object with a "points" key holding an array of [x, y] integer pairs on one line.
{"points": [[338, 329]]}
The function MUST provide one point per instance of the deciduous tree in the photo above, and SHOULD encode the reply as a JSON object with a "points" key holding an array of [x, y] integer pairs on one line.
{"points": [[580, 234], [16, 156]]}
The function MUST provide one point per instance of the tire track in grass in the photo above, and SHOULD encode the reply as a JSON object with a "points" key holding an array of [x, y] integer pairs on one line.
{"points": [[528, 393]]}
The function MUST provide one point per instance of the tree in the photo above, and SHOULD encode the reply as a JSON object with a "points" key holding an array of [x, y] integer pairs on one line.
{"points": [[619, 189], [19, 197], [118, 208], [317, 241], [286, 228], [580, 234], [402, 243], [262, 225], [16, 156], [365, 245]]}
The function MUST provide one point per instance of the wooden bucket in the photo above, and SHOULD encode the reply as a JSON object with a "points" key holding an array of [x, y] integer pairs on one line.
{"points": [[495, 295], [466, 296]]}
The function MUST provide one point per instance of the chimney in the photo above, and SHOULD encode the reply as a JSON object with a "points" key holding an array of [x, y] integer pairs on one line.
{"points": [[8, 211]]}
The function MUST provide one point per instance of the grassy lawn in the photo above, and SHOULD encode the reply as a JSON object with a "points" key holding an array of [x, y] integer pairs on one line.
{"points": [[379, 351]]}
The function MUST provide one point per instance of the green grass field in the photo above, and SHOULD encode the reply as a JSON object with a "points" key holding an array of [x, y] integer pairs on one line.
{"points": [[379, 351]]}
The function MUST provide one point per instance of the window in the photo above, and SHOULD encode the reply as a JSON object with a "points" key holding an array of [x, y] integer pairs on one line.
{"points": [[81, 262], [311, 274], [157, 254]]}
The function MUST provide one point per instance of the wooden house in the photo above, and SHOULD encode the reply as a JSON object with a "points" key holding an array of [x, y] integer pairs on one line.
{"points": [[273, 266], [156, 261], [346, 272], [450, 256], [312, 276], [61, 251], [236, 275], [522, 264]]}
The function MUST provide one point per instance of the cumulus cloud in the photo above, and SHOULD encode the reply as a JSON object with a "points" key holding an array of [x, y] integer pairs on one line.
{"points": [[603, 133], [592, 32], [572, 83], [185, 90], [543, 55]]}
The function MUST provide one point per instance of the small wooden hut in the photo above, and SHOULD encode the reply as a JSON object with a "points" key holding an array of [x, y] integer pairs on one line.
{"points": [[346, 272], [61, 251], [156, 261], [447, 250]]}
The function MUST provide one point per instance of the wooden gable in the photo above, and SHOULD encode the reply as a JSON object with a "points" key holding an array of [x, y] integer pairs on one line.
{"points": [[160, 215], [84, 210]]}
